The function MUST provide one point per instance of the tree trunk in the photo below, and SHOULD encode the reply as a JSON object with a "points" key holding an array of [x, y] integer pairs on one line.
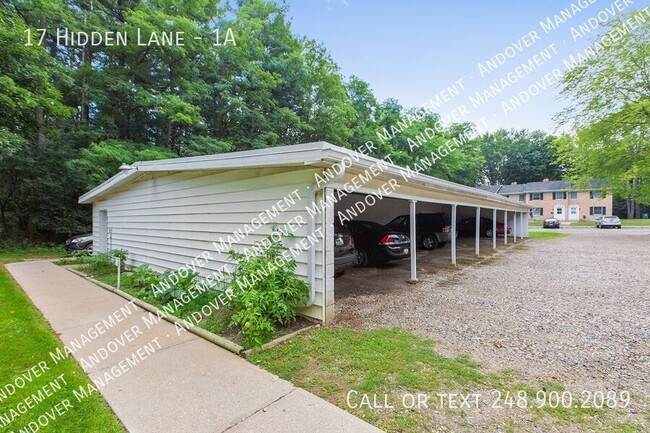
{"points": [[40, 135], [87, 59], [629, 204], [3, 219]]}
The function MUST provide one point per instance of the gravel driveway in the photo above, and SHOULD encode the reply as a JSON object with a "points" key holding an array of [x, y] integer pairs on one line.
{"points": [[574, 309]]}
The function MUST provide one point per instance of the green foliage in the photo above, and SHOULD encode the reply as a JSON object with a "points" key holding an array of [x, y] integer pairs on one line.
{"points": [[269, 291], [609, 94], [176, 291], [101, 160], [27, 339], [519, 156], [73, 116], [102, 263], [140, 278]]}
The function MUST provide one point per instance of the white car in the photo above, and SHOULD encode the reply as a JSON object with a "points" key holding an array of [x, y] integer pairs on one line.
{"points": [[608, 222]]}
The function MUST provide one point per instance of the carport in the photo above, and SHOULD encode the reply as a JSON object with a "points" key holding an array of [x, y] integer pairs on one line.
{"points": [[167, 213], [412, 193]]}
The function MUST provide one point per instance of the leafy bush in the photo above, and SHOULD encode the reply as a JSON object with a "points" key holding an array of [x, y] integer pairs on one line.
{"points": [[141, 278], [176, 291], [98, 263], [122, 256], [102, 263], [270, 291]]}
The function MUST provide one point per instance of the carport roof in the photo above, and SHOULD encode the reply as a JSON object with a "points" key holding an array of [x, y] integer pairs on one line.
{"points": [[316, 154]]}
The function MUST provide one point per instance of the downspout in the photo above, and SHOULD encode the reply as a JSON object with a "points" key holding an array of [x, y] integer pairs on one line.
{"points": [[311, 225]]}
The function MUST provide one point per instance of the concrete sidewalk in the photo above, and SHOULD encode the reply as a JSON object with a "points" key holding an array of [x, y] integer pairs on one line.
{"points": [[185, 384]]}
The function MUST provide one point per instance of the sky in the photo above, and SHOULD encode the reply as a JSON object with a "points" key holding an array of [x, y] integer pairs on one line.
{"points": [[417, 51]]}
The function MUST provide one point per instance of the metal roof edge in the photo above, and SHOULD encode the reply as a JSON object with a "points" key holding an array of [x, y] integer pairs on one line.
{"points": [[310, 154]]}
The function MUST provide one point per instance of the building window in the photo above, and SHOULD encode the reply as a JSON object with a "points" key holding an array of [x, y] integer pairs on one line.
{"points": [[537, 196], [595, 194], [559, 195], [573, 195], [522, 197], [559, 210], [597, 210], [538, 211]]}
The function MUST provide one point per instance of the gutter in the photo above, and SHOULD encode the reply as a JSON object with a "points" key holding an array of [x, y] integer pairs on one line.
{"points": [[311, 224]]}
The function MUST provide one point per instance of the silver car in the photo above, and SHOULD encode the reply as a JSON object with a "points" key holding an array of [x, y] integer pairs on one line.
{"points": [[609, 222]]}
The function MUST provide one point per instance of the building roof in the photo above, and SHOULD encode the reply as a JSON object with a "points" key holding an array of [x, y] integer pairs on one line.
{"points": [[544, 186], [317, 154], [489, 188]]}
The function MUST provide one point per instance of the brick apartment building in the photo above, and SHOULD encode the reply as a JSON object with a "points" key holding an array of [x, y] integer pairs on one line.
{"points": [[558, 198]]}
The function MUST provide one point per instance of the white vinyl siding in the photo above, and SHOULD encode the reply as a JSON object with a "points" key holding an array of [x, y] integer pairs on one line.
{"points": [[166, 220]]}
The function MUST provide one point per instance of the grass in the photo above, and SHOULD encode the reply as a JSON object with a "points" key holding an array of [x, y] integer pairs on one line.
{"points": [[624, 223], [389, 364], [545, 235], [217, 323], [27, 340]]}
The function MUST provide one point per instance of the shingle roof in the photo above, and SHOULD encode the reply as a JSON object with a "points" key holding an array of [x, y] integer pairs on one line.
{"points": [[512, 189], [489, 188]]}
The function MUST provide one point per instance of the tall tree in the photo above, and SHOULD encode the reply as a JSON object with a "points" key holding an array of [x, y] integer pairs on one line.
{"points": [[518, 156], [609, 94]]}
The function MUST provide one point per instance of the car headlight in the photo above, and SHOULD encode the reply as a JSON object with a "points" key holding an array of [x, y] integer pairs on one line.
{"points": [[77, 240]]}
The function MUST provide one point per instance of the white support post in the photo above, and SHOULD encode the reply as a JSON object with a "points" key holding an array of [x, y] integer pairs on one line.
{"points": [[524, 224], [413, 223], [514, 227], [478, 230], [453, 234], [505, 227], [494, 229]]}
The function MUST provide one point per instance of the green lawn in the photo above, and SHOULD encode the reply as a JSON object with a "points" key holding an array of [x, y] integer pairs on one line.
{"points": [[26, 339], [331, 362], [545, 235], [624, 223]]}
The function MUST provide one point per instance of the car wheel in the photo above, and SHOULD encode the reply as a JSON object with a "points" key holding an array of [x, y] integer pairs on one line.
{"points": [[488, 233], [89, 249], [429, 242], [362, 259]]}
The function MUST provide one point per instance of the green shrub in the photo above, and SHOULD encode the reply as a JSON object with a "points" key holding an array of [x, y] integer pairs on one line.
{"points": [[141, 278], [270, 291], [98, 263], [102, 263], [175, 291]]}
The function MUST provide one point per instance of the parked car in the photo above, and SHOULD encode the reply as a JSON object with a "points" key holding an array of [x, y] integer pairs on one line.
{"points": [[597, 221], [376, 243], [345, 256], [80, 243], [611, 221], [551, 223], [432, 229], [467, 227]]}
